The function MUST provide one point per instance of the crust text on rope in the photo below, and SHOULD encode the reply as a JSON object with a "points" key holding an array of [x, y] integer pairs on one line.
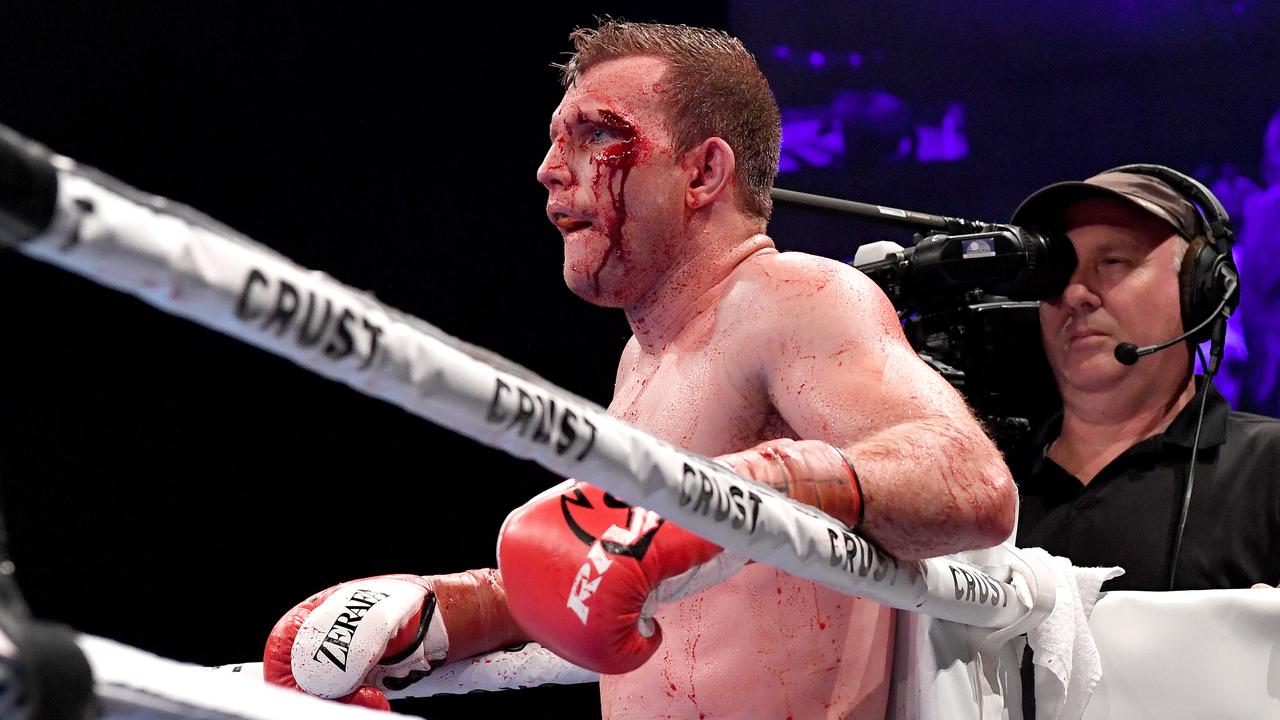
{"points": [[540, 419], [340, 332], [740, 507], [975, 587], [860, 557]]}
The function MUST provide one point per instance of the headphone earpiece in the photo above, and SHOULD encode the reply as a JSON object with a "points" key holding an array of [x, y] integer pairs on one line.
{"points": [[1202, 283]]}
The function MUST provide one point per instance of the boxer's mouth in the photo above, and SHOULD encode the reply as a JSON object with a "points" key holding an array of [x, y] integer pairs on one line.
{"points": [[569, 223]]}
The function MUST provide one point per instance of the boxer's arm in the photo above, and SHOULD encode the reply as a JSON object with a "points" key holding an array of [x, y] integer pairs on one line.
{"points": [[357, 639], [473, 605], [931, 480]]}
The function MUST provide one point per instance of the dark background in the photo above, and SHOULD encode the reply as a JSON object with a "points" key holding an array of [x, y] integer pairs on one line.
{"points": [[172, 489]]}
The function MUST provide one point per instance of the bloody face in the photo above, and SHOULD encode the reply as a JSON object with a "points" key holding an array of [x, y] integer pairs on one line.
{"points": [[615, 187]]}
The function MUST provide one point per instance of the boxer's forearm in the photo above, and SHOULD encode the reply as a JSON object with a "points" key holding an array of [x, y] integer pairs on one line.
{"points": [[473, 605], [932, 487], [919, 489]]}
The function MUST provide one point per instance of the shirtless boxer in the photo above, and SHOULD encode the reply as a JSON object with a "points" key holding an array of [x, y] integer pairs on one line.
{"points": [[662, 157]]}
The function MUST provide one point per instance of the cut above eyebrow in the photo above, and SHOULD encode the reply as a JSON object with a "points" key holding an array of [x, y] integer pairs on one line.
{"points": [[584, 121]]}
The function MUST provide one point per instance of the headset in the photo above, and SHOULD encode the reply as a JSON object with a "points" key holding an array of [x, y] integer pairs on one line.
{"points": [[1209, 286]]}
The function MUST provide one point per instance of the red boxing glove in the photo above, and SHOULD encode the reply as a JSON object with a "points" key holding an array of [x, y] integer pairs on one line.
{"points": [[355, 640], [585, 573], [813, 472]]}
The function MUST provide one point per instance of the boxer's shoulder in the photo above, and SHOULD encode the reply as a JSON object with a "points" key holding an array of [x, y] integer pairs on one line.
{"points": [[791, 291], [799, 277]]}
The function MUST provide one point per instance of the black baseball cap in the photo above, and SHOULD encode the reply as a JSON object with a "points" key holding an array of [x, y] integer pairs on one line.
{"points": [[1044, 207]]}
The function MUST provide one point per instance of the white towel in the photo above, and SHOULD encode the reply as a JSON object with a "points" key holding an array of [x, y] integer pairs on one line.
{"points": [[1067, 667]]}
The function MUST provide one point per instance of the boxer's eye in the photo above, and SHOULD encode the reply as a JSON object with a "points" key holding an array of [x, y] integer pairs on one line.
{"points": [[600, 133]]}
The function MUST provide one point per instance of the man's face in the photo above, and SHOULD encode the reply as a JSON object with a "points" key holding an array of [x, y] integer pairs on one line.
{"points": [[1124, 289], [615, 189]]}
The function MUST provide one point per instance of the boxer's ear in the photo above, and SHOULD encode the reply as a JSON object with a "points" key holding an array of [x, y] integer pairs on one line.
{"points": [[711, 166]]}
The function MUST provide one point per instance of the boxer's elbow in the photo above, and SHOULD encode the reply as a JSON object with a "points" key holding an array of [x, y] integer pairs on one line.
{"points": [[945, 489], [991, 492], [982, 504], [996, 520], [983, 517], [982, 500], [970, 511]]}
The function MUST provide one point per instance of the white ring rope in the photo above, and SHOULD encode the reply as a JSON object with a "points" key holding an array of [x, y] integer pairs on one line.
{"points": [[529, 666], [186, 264], [130, 684]]}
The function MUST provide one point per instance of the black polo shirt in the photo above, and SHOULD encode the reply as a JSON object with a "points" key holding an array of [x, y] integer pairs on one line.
{"points": [[1128, 514]]}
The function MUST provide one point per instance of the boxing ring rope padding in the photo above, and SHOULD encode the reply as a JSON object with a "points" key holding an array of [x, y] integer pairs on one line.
{"points": [[130, 684], [529, 666], [189, 265]]}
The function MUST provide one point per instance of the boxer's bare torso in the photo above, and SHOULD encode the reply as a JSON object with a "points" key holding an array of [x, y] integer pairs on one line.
{"points": [[763, 644]]}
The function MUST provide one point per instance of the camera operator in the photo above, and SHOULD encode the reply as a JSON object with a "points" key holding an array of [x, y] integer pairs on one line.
{"points": [[1114, 479]]}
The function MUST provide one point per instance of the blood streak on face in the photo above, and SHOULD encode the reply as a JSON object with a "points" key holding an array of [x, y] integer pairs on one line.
{"points": [[615, 162]]}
